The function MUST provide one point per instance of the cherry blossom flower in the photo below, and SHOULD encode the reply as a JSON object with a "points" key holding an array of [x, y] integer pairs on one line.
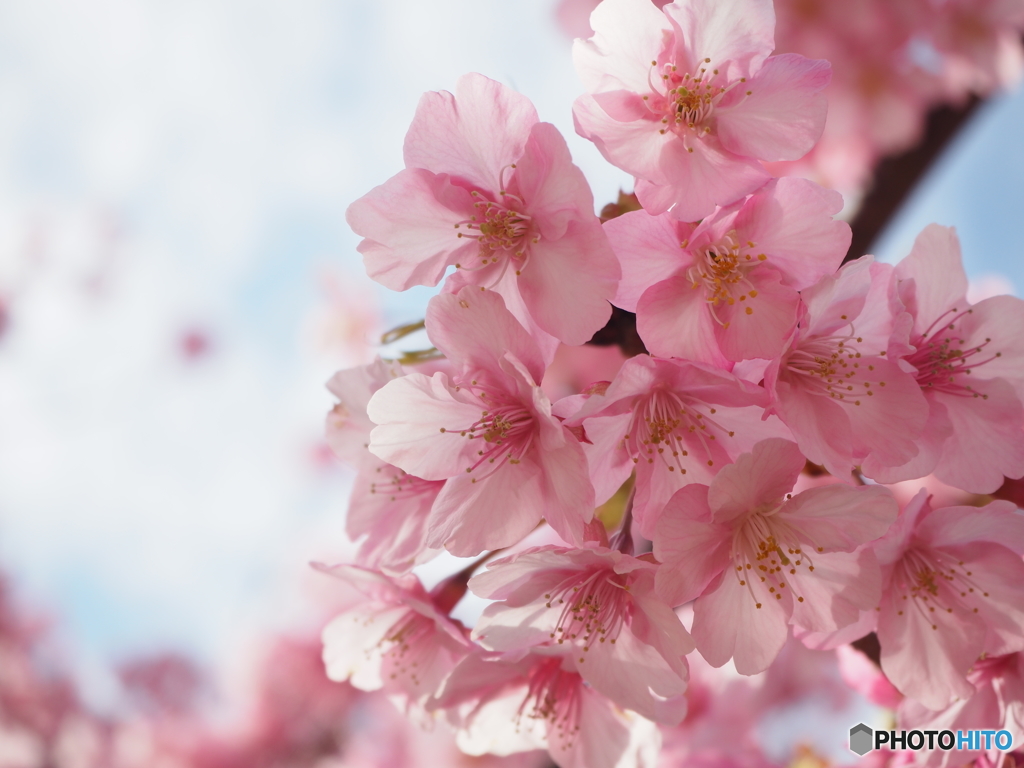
{"points": [[952, 593], [599, 606], [757, 559], [688, 100], [394, 637], [389, 506], [504, 704], [838, 386], [726, 289], [489, 189], [998, 703], [488, 431], [969, 363], [672, 422]]}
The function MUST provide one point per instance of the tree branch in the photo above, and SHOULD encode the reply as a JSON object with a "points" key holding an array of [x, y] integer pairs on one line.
{"points": [[896, 176]]}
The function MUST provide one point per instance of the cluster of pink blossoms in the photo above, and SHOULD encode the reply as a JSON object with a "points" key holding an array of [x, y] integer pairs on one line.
{"points": [[676, 487], [892, 62]]}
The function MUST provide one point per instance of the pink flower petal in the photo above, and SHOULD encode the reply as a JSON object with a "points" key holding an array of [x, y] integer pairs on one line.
{"points": [[737, 35], [658, 625], [694, 549], [697, 180], [504, 627], [840, 517], [523, 577], [569, 282], [888, 422], [347, 425], [408, 224], [568, 493], [742, 622], [628, 670], [606, 737], [457, 134], [508, 288], [935, 266], [656, 483], [928, 664], [673, 321], [779, 113], [998, 522], [820, 426], [390, 507], [475, 330], [930, 446], [835, 299], [994, 325], [635, 147], [624, 106], [418, 419], [767, 474], [627, 35], [842, 585], [555, 191], [986, 443], [609, 467], [996, 574], [353, 638], [648, 247], [463, 519], [759, 324], [790, 220]]}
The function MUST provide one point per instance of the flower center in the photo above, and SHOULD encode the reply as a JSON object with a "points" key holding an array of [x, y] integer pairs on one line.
{"points": [[664, 427], [594, 609], [942, 360], [407, 644], [832, 366], [553, 695], [721, 270], [933, 582], [764, 550], [686, 100], [505, 430], [501, 228]]}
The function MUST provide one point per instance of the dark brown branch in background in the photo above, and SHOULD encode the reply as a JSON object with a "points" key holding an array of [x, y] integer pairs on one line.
{"points": [[620, 331], [870, 647], [896, 176]]}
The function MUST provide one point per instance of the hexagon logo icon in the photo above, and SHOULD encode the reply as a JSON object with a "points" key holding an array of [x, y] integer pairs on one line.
{"points": [[861, 738]]}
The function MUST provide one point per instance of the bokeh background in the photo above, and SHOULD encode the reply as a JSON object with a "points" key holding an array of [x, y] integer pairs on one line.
{"points": [[177, 282]]}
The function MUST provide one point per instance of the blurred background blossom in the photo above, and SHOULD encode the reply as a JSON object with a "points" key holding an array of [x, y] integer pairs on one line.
{"points": [[177, 282]]}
